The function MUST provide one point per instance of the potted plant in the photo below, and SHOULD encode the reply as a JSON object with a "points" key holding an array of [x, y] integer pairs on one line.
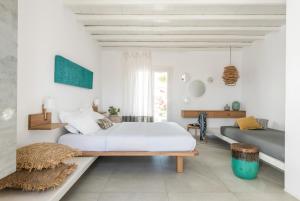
{"points": [[113, 114], [113, 111]]}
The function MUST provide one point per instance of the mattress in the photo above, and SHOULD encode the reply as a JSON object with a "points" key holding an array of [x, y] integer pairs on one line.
{"points": [[269, 141], [134, 136]]}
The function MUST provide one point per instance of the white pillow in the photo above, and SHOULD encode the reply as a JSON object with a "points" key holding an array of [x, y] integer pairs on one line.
{"points": [[86, 109], [71, 129], [85, 124], [65, 117], [97, 116], [94, 115]]}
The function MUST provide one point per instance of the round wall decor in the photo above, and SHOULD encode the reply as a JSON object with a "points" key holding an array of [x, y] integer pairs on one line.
{"points": [[197, 88]]}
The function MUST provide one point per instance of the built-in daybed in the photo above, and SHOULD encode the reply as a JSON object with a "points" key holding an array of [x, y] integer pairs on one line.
{"points": [[269, 141]]}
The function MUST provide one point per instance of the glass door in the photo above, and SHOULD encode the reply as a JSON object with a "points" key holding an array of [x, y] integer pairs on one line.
{"points": [[160, 95]]}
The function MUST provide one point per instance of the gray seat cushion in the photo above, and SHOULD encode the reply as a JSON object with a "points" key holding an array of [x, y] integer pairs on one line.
{"points": [[269, 141]]}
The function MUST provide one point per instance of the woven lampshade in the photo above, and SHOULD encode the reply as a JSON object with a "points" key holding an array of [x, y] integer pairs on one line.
{"points": [[230, 75]]}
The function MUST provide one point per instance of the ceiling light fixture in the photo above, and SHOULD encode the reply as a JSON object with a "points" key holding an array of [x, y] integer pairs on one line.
{"points": [[231, 74]]}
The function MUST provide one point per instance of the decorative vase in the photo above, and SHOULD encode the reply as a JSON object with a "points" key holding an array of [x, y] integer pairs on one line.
{"points": [[236, 106], [245, 161], [227, 107]]}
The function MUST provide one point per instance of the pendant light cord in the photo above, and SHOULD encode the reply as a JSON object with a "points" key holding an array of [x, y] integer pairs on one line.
{"points": [[230, 54]]}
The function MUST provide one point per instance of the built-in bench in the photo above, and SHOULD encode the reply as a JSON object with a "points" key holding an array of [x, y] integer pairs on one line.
{"points": [[83, 163], [269, 141]]}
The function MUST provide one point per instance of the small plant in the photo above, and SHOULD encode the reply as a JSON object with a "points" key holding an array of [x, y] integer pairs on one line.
{"points": [[113, 110]]}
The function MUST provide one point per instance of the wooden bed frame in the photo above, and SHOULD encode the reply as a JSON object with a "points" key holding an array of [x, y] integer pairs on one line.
{"points": [[179, 155]]}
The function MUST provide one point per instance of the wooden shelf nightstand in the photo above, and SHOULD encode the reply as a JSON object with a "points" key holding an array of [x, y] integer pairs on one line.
{"points": [[51, 126], [115, 119], [104, 114], [38, 122]]}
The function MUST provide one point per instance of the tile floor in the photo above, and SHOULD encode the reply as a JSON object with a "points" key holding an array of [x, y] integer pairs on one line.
{"points": [[207, 177]]}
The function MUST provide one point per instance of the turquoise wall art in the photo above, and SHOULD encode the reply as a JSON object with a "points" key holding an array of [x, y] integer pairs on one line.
{"points": [[70, 73]]}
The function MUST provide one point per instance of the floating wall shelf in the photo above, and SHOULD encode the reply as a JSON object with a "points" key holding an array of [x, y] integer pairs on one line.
{"points": [[38, 122], [213, 113]]}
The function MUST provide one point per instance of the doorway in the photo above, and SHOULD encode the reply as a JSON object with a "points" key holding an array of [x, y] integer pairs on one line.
{"points": [[160, 96]]}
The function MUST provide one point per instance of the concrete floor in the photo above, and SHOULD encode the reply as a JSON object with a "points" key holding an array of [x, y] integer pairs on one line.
{"points": [[207, 177]]}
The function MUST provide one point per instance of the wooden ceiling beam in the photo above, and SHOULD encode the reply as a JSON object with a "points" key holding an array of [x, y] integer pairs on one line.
{"points": [[175, 44], [181, 7], [179, 23], [200, 2], [176, 38], [182, 20], [139, 30]]}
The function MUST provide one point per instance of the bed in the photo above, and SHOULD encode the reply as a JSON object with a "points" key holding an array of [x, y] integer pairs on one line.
{"points": [[136, 139]]}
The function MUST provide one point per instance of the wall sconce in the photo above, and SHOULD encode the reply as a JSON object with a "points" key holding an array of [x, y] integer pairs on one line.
{"points": [[186, 100], [96, 104], [185, 77], [210, 80], [48, 105]]}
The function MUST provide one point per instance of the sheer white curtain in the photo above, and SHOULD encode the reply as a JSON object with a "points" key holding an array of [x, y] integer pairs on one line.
{"points": [[137, 103]]}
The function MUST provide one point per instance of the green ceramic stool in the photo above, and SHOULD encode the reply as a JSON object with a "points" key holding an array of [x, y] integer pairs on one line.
{"points": [[245, 160]]}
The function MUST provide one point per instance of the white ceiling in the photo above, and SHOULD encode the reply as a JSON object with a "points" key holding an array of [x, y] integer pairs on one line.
{"points": [[179, 23]]}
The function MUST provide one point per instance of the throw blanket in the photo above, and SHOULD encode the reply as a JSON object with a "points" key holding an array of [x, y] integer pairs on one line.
{"points": [[203, 125], [137, 119]]}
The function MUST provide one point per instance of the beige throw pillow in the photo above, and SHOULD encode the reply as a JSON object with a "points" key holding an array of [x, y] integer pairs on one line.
{"points": [[44, 155], [248, 123], [105, 123], [38, 180]]}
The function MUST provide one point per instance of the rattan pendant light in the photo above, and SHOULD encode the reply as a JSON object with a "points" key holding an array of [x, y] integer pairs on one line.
{"points": [[231, 74]]}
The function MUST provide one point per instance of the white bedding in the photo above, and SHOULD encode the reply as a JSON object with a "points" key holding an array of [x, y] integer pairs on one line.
{"points": [[132, 136]]}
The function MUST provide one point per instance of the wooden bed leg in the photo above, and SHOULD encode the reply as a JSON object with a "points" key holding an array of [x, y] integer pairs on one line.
{"points": [[179, 164]]}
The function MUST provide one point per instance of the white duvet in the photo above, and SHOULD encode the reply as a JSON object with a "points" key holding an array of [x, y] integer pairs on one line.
{"points": [[133, 136]]}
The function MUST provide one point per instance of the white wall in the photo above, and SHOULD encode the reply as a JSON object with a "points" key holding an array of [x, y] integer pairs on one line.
{"points": [[263, 78], [292, 139], [199, 64], [8, 86], [46, 28]]}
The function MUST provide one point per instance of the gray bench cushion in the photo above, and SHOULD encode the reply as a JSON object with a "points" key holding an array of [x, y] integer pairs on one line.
{"points": [[269, 141]]}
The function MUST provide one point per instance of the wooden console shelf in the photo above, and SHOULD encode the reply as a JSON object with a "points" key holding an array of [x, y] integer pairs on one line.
{"points": [[213, 113]]}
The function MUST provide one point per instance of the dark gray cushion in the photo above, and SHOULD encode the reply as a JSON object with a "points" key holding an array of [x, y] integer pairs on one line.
{"points": [[269, 141]]}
